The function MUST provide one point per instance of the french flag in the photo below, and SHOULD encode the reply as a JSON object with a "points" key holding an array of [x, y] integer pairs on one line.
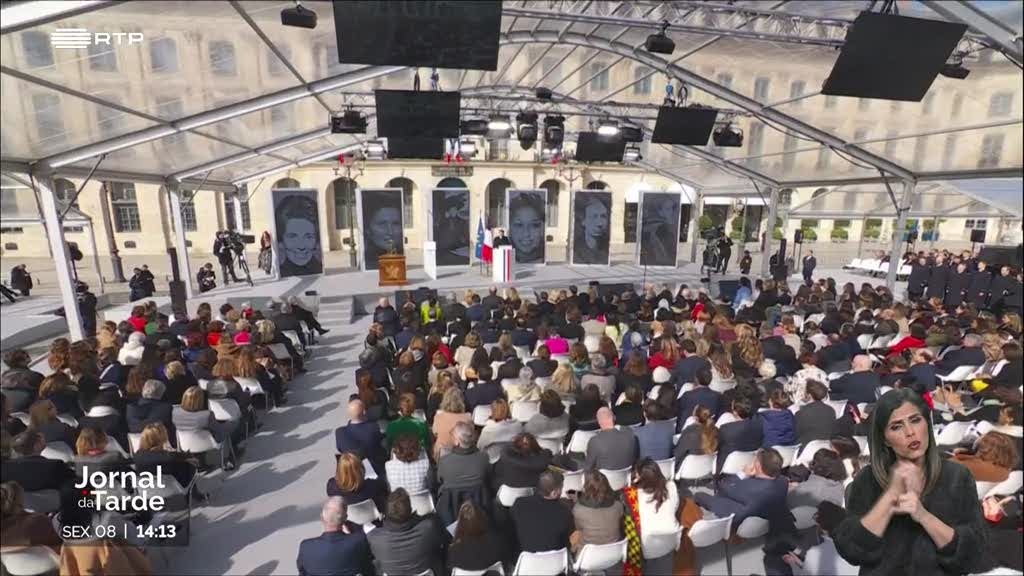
{"points": [[484, 241]]}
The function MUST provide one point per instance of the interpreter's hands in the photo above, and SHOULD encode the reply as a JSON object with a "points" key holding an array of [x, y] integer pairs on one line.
{"points": [[792, 560], [911, 476], [909, 503]]}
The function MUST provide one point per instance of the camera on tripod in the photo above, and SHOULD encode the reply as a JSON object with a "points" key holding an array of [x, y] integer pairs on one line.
{"points": [[235, 240], [712, 234]]}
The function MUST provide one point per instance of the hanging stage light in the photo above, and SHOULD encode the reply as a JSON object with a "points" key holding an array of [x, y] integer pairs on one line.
{"points": [[632, 154], [608, 128], [499, 123], [526, 130], [554, 131]]}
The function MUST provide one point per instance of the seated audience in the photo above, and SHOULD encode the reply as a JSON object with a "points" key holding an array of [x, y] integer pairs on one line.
{"points": [[31, 470], [21, 528], [597, 513], [699, 438], [500, 427], [407, 423], [744, 434], [612, 448], [350, 482], [629, 411], [825, 484], [654, 438], [551, 421], [654, 500], [857, 386], [451, 412], [543, 521], [815, 420], [475, 545], [778, 423], [994, 456], [360, 436], [521, 463], [700, 395], [406, 543], [341, 549]]}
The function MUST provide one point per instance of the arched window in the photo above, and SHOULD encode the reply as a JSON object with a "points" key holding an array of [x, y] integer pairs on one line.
{"points": [[64, 190], [452, 183], [597, 185], [344, 192], [286, 183], [496, 216], [408, 187], [553, 187]]}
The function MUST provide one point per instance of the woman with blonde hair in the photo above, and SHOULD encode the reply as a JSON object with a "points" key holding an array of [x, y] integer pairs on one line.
{"points": [[224, 376], [193, 415], [464, 353], [500, 427], [721, 365], [60, 350], [155, 453], [351, 484], [59, 389], [579, 360], [504, 350], [667, 355], [564, 381], [747, 354], [43, 419], [442, 384], [451, 412], [242, 332], [91, 450], [266, 331]]}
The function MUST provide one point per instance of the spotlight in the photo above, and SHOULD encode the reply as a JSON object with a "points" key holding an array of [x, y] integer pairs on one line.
{"points": [[526, 131], [299, 17], [608, 128], [660, 43], [374, 150], [473, 127], [632, 154], [550, 154], [543, 93], [351, 122], [499, 123], [954, 70], [631, 134], [554, 131], [727, 136]]}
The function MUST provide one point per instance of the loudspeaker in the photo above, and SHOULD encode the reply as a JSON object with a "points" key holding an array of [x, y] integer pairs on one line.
{"points": [[727, 289], [798, 237], [910, 235], [782, 250], [178, 296], [175, 271], [978, 236]]}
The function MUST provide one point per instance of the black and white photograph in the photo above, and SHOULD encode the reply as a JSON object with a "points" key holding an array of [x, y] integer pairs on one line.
{"points": [[451, 226], [297, 223], [526, 223], [380, 219], [659, 228], [591, 227]]}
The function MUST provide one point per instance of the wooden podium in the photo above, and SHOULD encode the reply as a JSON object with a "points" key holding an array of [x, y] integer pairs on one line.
{"points": [[392, 270]]}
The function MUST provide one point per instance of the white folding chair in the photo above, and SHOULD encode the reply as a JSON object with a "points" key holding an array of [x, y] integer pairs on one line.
{"points": [[736, 461], [58, 451], [984, 488], [572, 482], [600, 557], [959, 374], [617, 479], [661, 544], [201, 442], [862, 441], [953, 433], [788, 454], [1011, 485], [134, 441], [31, 561], [696, 467], [706, 533], [494, 568], [523, 411], [68, 419], [508, 495], [422, 502], [481, 414], [839, 406], [804, 516], [580, 439], [667, 467], [808, 451], [752, 527], [725, 418], [552, 444], [551, 563], [363, 512]]}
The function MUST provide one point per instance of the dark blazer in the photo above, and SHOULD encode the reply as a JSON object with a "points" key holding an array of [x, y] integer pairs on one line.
{"points": [[57, 431], [147, 411], [363, 439], [38, 473], [779, 428], [699, 396], [937, 280], [925, 373], [743, 436], [978, 289], [175, 464], [541, 524], [961, 357], [483, 393], [518, 471], [478, 553], [370, 489], [762, 497], [1009, 376], [629, 414], [542, 369], [856, 387], [335, 554], [689, 443], [655, 439], [815, 421], [685, 370], [410, 547], [956, 288], [918, 278], [612, 449]]}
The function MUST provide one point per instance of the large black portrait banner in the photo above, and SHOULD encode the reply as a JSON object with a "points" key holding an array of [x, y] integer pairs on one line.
{"points": [[380, 219], [659, 228], [297, 227], [451, 226], [591, 227], [526, 224]]}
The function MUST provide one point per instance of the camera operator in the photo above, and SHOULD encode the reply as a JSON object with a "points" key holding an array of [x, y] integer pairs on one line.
{"points": [[206, 278], [224, 247], [724, 250]]}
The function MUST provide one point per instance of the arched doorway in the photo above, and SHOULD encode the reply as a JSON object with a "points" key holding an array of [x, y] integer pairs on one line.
{"points": [[554, 187], [408, 188], [597, 185], [452, 183], [496, 216], [286, 183]]}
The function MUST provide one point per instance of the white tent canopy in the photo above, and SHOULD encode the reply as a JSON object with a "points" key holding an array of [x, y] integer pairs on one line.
{"points": [[982, 198]]}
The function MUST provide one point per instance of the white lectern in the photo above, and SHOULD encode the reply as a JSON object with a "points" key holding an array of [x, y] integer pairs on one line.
{"points": [[430, 259], [501, 269]]}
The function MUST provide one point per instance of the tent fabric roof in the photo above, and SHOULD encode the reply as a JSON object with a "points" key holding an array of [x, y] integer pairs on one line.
{"points": [[981, 198], [222, 91]]}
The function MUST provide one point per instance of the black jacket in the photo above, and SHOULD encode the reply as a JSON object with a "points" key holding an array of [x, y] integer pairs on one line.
{"points": [[961, 357], [518, 471], [478, 553], [918, 279], [38, 473], [937, 280], [335, 553], [541, 524], [856, 387], [743, 436], [388, 318], [956, 289], [815, 421], [146, 411], [978, 289]]}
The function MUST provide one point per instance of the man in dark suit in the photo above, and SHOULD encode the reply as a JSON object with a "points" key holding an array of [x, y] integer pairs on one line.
{"points": [[521, 336], [980, 286], [492, 301], [970, 355], [956, 288], [341, 549], [938, 277], [455, 311], [815, 420], [284, 320], [775, 348], [685, 370], [32, 470], [542, 522], [701, 395], [386, 315], [743, 435], [918, 280], [810, 263], [857, 386], [361, 437], [612, 448], [475, 312], [836, 356]]}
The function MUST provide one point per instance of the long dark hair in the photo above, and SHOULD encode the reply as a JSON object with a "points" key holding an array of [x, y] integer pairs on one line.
{"points": [[472, 522], [650, 479], [882, 456]]}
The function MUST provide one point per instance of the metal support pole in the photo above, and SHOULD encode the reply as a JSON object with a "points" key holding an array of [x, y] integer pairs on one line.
{"points": [[108, 226], [743, 232], [698, 207], [773, 213], [61, 258], [95, 256], [860, 243], [180, 244], [897, 234], [237, 201]]}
